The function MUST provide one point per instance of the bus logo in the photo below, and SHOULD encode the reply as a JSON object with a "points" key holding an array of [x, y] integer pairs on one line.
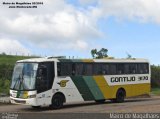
{"points": [[62, 83]]}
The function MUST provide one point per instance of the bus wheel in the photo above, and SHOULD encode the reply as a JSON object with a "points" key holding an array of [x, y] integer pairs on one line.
{"points": [[100, 101], [57, 101], [120, 96]]}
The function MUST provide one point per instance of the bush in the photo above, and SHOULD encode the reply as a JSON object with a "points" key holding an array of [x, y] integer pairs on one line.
{"points": [[155, 76], [4, 86]]}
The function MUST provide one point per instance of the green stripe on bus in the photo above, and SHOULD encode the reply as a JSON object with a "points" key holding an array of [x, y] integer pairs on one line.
{"points": [[96, 92], [82, 87]]}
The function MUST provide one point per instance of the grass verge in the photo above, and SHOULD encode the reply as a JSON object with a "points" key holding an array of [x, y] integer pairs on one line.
{"points": [[155, 91]]}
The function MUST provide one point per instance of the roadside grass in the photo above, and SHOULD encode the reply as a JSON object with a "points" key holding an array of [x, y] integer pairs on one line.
{"points": [[155, 91], [10, 59]]}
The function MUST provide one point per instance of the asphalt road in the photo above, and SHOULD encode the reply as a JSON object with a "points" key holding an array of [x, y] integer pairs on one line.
{"points": [[135, 105]]}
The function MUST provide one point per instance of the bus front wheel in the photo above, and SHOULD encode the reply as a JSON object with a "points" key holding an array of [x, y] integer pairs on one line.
{"points": [[57, 101]]}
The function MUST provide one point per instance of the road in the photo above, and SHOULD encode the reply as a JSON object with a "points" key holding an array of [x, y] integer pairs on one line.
{"points": [[135, 105]]}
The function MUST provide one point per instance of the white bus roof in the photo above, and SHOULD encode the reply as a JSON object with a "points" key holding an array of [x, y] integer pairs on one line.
{"points": [[83, 60]]}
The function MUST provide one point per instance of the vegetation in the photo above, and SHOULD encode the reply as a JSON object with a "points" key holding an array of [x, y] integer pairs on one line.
{"points": [[155, 91], [155, 76], [99, 54]]}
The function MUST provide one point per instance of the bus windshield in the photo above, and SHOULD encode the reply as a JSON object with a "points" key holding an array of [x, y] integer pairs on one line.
{"points": [[24, 76]]}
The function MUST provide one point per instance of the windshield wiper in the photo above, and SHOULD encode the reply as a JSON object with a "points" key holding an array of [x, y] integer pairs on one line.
{"points": [[21, 82], [15, 83]]}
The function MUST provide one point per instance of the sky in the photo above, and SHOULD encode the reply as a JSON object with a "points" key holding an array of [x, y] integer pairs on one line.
{"points": [[74, 27]]}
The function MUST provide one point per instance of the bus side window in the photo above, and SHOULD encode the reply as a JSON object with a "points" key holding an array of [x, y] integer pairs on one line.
{"points": [[97, 69], [73, 69], [146, 68], [88, 69], [143, 68], [65, 69], [105, 69], [133, 68], [126, 69], [59, 69], [112, 69], [79, 69], [120, 68]]}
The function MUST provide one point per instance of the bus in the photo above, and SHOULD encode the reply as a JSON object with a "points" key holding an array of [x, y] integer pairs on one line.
{"points": [[55, 81]]}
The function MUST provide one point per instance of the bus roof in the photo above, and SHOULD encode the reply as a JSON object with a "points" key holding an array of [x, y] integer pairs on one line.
{"points": [[83, 60]]}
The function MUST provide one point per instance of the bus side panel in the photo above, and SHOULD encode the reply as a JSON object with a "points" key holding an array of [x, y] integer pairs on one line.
{"points": [[109, 91], [66, 86], [94, 88]]}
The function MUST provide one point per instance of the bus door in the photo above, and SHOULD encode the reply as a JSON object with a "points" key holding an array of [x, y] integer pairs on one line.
{"points": [[44, 82]]}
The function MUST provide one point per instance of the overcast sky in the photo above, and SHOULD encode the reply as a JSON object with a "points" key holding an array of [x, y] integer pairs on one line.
{"points": [[73, 28]]}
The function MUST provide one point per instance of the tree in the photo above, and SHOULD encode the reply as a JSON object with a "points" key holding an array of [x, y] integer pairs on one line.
{"points": [[93, 52], [99, 54]]}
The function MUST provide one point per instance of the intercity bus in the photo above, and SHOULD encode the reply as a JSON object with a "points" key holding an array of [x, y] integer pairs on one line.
{"points": [[55, 81]]}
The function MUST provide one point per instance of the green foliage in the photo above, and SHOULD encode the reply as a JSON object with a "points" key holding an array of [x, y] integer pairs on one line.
{"points": [[155, 76], [155, 91], [10, 59], [99, 54], [93, 52], [4, 86]]}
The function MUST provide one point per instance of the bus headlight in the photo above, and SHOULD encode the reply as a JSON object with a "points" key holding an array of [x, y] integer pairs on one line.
{"points": [[32, 96]]}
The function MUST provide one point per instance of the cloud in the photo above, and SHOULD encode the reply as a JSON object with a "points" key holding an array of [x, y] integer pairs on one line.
{"points": [[52, 27], [9, 46], [60, 25], [138, 10]]}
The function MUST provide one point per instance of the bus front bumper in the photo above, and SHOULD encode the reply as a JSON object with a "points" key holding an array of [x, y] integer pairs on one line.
{"points": [[29, 101]]}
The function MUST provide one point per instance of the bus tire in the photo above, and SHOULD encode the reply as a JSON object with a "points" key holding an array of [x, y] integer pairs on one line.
{"points": [[100, 101], [57, 101], [120, 96]]}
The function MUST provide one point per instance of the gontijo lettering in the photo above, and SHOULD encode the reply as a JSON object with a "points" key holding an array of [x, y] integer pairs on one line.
{"points": [[122, 79], [128, 79]]}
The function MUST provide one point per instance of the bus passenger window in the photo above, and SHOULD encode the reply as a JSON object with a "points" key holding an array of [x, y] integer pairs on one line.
{"points": [[88, 69], [132, 68], [66, 69], [105, 69], [120, 68], [79, 69], [112, 69], [97, 69], [73, 69], [143, 68], [126, 68], [59, 69]]}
